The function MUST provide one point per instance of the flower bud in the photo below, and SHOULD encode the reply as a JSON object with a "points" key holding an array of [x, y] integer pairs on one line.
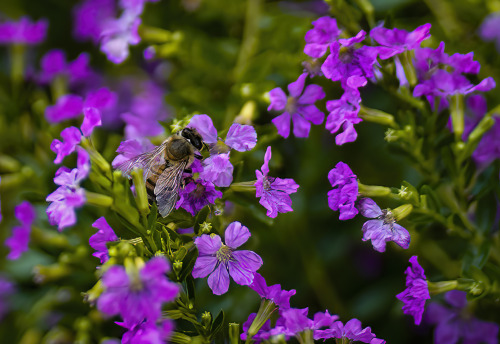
{"points": [[457, 115], [402, 211], [206, 227], [177, 267], [234, 333], [206, 319], [140, 191]]}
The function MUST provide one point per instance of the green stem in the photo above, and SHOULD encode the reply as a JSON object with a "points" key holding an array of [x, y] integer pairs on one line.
{"points": [[250, 35]]}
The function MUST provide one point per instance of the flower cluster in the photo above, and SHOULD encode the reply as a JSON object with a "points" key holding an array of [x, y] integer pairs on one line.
{"points": [[345, 191]]}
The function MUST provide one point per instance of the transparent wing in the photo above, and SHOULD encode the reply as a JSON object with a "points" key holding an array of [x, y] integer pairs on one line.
{"points": [[167, 187], [218, 148], [145, 161]]}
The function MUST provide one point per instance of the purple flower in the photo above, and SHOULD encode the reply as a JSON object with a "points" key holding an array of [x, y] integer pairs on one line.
{"points": [[344, 114], [196, 195], [346, 61], [69, 195], [54, 64], [298, 107], [384, 228], [443, 84], [274, 192], [416, 291], [219, 261], [23, 31], [67, 107], [139, 296], [296, 321], [352, 330], [90, 17], [149, 333], [396, 41], [18, 242], [218, 170], [488, 148], [490, 29], [317, 40], [345, 191], [130, 149], [456, 322], [146, 110], [279, 297], [98, 241], [71, 138], [263, 333], [118, 34]]}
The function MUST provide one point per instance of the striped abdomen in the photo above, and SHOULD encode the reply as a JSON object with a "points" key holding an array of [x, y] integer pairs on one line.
{"points": [[154, 174]]}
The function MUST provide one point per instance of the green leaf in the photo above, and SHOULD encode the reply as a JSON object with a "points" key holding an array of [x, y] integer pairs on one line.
{"points": [[153, 215], [217, 325]]}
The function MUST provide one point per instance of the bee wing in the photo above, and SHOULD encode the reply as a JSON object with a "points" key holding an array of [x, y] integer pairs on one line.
{"points": [[145, 161], [167, 187], [218, 148]]}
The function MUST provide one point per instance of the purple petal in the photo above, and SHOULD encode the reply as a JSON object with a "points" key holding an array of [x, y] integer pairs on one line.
{"points": [[282, 123], [311, 94], [400, 236], [369, 208], [67, 107], [115, 277], [204, 125], [278, 99], [71, 137], [204, 266], [218, 281], [267, 158], [241, 137], [208, 244], [239, 274], [101, 99], [311, 113], [25, 213], [249, 260], [91, 119], [236, 235], [353, 40], [301, 126], [295, 88]]}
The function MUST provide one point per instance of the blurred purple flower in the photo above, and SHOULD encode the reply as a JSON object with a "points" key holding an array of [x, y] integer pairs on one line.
{"points": [[149, 53], [345, 191], [54, 64], [416, 291], [69, 195], [352, 331], [343, 113], [71, 137], [490, 29], [146, 110], [137, 297], [67, 107], [281, 298], [130, 149], [296, 321], [196, 195], [455, 323], [7, 288], [118, 34], [264, 331], [317, 40], [98, 240], [149, 333], [274, 192], [384, 228], [18, 241], [23, 31], [488, 148], [346, 61], [90, 16], [298, 107], [396, 41], [222, 260]]}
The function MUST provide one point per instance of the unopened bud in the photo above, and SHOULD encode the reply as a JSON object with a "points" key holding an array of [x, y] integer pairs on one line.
{"points": [[177, 266], [205, 227], [402, 211], [206, 319]]}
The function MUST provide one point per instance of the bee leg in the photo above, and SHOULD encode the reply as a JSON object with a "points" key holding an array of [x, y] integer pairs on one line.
{"points": [[199, 157]]}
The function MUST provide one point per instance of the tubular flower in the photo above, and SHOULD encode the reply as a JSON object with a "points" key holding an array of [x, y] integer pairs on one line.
{"points": [[298, 107], [219, 261], [325, 32], [383, 228], [274, 192]]}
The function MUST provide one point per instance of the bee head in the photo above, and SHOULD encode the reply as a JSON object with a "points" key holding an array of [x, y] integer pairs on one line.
{"points": [[193, 136]]}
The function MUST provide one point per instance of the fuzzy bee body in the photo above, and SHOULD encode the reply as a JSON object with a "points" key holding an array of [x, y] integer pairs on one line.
{"points": [[164, 165]]}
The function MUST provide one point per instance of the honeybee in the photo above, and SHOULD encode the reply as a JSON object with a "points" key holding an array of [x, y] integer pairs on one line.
{"points": [[164, 166]]}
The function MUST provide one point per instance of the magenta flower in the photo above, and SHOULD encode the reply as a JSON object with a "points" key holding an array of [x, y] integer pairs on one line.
{"points": [[54, 64], [99, 240], [149, 333], [325, 32], [67, 107], [343, 113], [383, 228], [352, 330], [219, 261], [130, 149], [265, 331], [217, 168], [490, 29], [118, 34], [346, 61], [416, 291], [23, 31], [488, 148], [281, 298], [274, 192], [296, 321], [456, 322], [90, 17], [137, 297], [298, 107], [7, 288], [196, 195], [345, 191], [69, 195], [396, 41], [18, 242], [71, 138]]}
